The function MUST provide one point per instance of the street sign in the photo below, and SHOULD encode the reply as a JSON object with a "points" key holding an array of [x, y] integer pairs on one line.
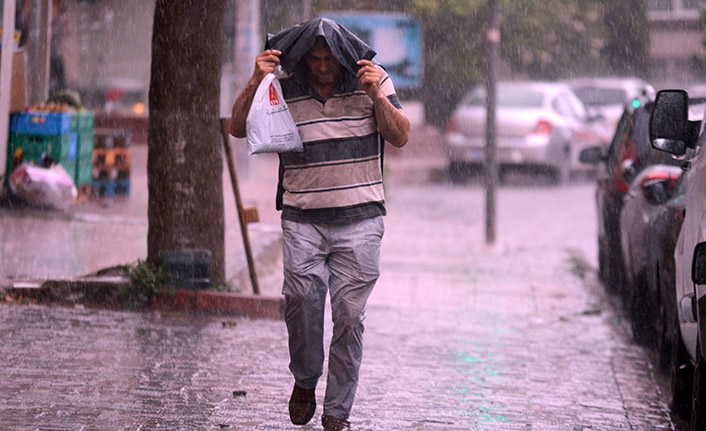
{"points": [[396, 37]]}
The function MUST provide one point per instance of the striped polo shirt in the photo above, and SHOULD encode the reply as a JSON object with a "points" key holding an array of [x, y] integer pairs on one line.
{"points": [[338, 176]]}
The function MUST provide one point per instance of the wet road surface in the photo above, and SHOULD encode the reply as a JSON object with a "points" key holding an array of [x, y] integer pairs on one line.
{"points": [[459, 336]]}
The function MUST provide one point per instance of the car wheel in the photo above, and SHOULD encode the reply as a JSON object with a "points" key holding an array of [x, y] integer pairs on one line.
{"points": [[638, 308], [666, 312], [460, 172], [602, 265], [681, 374], [698, 393], [562, 174], [614, 272]]}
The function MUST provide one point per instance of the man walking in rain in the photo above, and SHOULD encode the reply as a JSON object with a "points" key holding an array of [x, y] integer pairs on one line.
{"points": [[331, 198]]}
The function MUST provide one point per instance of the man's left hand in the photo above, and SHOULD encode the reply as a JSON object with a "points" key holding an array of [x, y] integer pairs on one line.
{"points": [[369, 77]]}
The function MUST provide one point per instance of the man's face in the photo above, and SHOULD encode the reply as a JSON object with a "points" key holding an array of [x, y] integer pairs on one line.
{"points": [[324, 69]]}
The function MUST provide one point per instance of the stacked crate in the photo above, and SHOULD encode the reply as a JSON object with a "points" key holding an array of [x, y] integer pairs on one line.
{"points": [[66, 137], [37, 133], [111, 163], [82, 126]]}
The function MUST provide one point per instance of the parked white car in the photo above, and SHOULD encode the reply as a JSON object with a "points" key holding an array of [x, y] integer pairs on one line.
{"points": [[606, 97], [671, 130], [539, 125]]}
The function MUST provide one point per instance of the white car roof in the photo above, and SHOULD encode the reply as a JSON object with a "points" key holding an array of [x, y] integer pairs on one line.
{"points": [[632, 85]]}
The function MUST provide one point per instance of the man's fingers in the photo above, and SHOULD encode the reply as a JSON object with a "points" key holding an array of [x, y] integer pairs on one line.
{"points": [[270, 55]]}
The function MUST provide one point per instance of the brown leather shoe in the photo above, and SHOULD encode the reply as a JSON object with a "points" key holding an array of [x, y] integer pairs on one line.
{"points": [[332, 423], [302, 405]]}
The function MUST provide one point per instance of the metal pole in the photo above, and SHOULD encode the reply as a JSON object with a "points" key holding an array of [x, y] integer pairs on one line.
{"points": [[38, 50], [8, 24], [306, 10], [491, 162], [225, 123]]}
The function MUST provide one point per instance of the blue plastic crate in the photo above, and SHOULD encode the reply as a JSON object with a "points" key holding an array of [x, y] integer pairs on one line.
{"points": [[73, 147], [40, 123], [111, 187]]}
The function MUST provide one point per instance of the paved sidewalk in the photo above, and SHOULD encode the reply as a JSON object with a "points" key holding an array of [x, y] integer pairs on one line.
{"points": [[459, 336], [515, 337]]}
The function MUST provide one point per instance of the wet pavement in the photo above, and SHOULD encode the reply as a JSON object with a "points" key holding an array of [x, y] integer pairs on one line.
{"points": [[109, 231], [459, 336]]}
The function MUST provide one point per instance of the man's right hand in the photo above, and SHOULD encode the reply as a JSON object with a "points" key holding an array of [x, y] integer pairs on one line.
{"points": [[265, 63]]}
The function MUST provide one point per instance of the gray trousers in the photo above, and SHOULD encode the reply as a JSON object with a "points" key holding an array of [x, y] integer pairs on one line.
{"points": [[345, 261]]}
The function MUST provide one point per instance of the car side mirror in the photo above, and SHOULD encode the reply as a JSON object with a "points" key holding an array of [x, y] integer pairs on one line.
{"points": [[670, 128], [698, 264], [592, 155]]}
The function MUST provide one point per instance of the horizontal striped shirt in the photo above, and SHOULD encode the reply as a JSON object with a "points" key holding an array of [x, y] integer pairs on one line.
{"points": [[338, 176]]}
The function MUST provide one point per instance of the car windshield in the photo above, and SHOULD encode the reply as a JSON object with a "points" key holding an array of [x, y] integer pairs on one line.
{"points": [[593, 96], [508, 98]]}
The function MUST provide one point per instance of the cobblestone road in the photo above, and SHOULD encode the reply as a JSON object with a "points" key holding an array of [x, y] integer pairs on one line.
{"points": [[458, 337]]}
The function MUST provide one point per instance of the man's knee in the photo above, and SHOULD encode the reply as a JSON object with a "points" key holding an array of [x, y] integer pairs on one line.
{"points": [[348, 316]]}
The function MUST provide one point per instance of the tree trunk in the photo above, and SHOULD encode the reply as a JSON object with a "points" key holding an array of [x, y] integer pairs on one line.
{"points": [[184, 163]]}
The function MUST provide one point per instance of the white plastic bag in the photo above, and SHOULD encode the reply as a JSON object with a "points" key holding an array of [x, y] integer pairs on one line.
{"points": [[51, 187], [269, 125]]}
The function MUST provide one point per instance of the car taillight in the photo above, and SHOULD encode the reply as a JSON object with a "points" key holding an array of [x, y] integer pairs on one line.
{"points": [[451, 125], [543, 127]]}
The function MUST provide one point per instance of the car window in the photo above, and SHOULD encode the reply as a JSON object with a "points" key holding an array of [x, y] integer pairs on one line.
{"points": [[562, 105], [593, 96], [620, 130], [507, 98], [580, 111]]}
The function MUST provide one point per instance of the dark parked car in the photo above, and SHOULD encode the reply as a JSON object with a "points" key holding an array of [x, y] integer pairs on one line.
{"points": [[629, 152], [671, 130], [650, 221]]}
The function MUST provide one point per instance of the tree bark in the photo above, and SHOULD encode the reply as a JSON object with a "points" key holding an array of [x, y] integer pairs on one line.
{"points": [[184, 162]]}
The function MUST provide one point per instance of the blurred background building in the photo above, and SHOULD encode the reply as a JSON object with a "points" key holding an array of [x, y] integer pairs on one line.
{"points": [[102, 48]]}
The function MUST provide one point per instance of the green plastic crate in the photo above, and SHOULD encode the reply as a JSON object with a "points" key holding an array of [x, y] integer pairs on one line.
{"points": [[57, 146], [84, 172], [85, 122]]}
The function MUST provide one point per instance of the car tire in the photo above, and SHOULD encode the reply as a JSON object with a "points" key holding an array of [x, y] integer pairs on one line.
{"points": [[681, 374], [638, 309], [461, 172], [698, 393], [602, 265], [606, 268], [666, 313], [562, 174]]}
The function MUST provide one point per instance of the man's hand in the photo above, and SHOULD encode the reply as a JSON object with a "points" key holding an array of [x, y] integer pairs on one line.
{"points": [[265, 63], [369, 77], [392, 122]]}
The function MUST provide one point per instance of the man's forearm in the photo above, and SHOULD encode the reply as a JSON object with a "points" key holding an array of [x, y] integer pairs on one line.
{"points": [[241, 107], [392, 122]]}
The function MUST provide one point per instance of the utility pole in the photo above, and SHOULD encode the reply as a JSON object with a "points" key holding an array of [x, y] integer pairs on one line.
{"points": [[8, 23], [306, 10], [38, 50], [248, 44], [491, 162]]}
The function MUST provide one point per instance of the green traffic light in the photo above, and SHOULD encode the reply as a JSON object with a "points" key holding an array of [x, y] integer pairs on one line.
{"points": [[636, 103]]}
